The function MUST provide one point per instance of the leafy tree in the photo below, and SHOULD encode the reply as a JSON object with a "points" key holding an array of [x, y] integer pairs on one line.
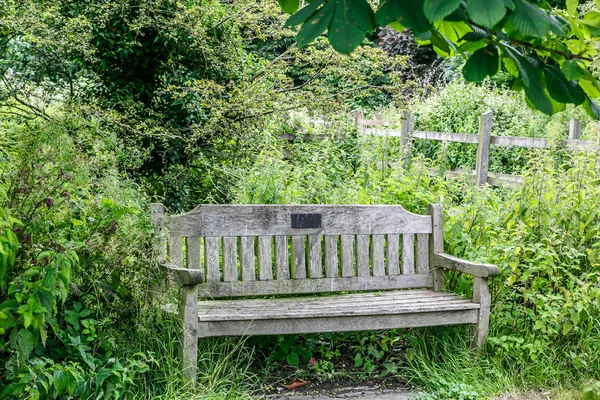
{"points": [[547, 50]]}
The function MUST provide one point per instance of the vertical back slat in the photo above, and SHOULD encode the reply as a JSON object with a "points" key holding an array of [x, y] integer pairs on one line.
{"points": [[393, 255], [299, 254], [408, 254], [422, 253], [193, 252], [282, 258], [248, 269], [331, 256], [347, 255], [211, 259], [362, 255], [175, 250], [377, 255], [230, 271], [314, 256], [265, 269]]}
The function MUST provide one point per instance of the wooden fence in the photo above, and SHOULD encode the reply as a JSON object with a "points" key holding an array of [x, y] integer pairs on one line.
{"points": [[483, 139]]}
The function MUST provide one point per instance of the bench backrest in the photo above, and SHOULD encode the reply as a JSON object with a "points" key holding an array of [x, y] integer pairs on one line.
{"points": [[247, 250]]}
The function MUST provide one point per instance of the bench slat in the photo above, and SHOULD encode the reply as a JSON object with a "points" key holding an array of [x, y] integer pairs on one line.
{"points": [[331, 256], [299, 255], [275, 220], [248, 269], [230, 271], [175, 250], [393, 255], [422, 253], [317, 285], [265, 258], [211, 258], [362, 255], [377, 255], [193, 252], [347, 255], [315, 257], [282, 258], [408, 254]]}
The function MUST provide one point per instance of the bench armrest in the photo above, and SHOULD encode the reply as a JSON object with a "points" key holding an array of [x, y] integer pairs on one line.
{"points": [[457, 264], [185, 276]]}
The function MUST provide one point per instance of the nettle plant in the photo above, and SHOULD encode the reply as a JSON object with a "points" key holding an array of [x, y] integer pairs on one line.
{"points": [[547, 50]]}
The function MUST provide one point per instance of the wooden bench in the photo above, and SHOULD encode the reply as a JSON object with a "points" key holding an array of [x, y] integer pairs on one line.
{"points": [[245, 262]]}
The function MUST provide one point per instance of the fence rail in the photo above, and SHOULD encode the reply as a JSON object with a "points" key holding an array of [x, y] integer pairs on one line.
{"points": [[483, 139]]}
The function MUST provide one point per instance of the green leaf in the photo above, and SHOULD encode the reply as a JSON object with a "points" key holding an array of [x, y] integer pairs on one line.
{"points": [[304, 14], [316, 24], [561, 89], [408, 12], [292, 359], [592, 109], [484, 62], [347, 28], [530, 20], [510, 66], [289, 6], [571, 69], [436, 10], [486, 12], [23, 343]]}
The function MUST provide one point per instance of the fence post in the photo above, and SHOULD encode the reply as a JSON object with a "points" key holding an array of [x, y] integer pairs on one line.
{"points": [[574, 129], [483, 149], [404, 138], [358, 116]]}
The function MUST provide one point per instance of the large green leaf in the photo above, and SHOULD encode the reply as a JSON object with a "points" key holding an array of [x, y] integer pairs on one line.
{"points": [[592, 108], [304, 14], [344, 31], [561, 89], [316, 24], [486, 12], [408, 12], [362, 14], [571, 69], [436, 10], [484, 62], [530, 20], [289, 6], [540, 100]]}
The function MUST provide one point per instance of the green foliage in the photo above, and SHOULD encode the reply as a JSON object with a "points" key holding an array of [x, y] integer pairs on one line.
{"points": [[533, 37]]}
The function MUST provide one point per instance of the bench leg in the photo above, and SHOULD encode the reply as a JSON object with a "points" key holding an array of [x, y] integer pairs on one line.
{"points": [[481, 295], [189, 339]]}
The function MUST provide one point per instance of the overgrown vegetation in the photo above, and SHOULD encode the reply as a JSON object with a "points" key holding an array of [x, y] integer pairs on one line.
{"points": [[110, 105]]}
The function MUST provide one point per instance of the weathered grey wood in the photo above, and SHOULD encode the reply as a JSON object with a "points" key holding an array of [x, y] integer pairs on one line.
{"points": [[265, 269], [315, 259], [436, 244], [160, 240], [193, 252], [340, 324], [516, 141], [275, 220], [347, 245], [230, 270], [446, 136], [393, 254], [481, 295], [299, 256], [318, 285], [422, 253], [406, 130], [211, 259], [362, 255], [574, 129], [483, 148], [377, 255], [331, 256], [185, 276], [266, 311], [248, 264], [282, 257], [468, 267], [579, 145], [176, 250], [189, 338], [408, 254]]}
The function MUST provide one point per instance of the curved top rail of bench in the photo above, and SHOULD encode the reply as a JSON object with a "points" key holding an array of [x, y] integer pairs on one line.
{"points": [[276, 220]]}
